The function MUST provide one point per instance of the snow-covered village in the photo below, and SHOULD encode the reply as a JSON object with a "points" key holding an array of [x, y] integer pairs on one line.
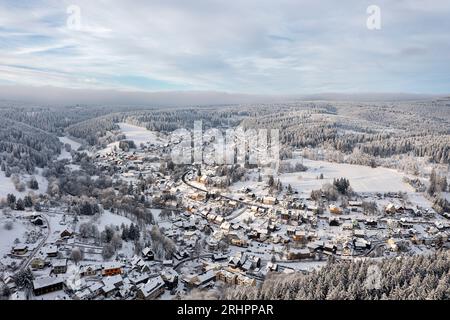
{"points": [[224, 158], [123, 221]]}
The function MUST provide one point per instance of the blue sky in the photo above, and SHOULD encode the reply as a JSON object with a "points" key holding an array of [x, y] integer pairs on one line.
{"points": [[258, 46]]}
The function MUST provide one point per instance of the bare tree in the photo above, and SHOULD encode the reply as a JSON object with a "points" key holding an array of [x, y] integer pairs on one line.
{"points": [[76, 255]]}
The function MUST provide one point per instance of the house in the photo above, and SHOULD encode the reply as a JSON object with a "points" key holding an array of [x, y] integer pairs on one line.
{"points": [[233, 203], [96, 289], [406, 225], [226, 276], [148, 254], [212, 244], [361, 244], [109, 290], [334, 222], [116, 281], [138, 278], [82, 294], [219, 220], [111, 269], [285, 215], [20, 250], [151, 290], [299, 254], [59, 266], [247, 265], [290, 231], [373, 223], [329, 247], [66, 233], [38, 221], [168, 263], [239, 242], [170, 278], [203, 279], [225, 226], [359, 233], [47, 284], [52, 251], [269, 200], [37, 263], [299, 236], [335, 209], [89, 270], [243, 280], [272, 267], [316, 245], [347, 226], [390, 208], [234, 262], [355, 203], [219, 257]]}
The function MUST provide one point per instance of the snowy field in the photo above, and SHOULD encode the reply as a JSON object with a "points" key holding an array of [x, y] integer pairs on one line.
{"points": [[73, 144], [7, 237], [7, 186], [362, 178], [138, 135], [108, 218]]}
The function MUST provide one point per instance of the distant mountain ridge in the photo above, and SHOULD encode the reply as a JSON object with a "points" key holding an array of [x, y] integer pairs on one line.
{"points": [[52, 96]]}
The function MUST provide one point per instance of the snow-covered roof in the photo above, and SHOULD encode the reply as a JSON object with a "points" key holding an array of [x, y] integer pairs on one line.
{"points": [[46, 281]]}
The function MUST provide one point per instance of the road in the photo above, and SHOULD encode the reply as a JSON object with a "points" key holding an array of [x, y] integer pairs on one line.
{"points": [[181, 262], [28, 260]]}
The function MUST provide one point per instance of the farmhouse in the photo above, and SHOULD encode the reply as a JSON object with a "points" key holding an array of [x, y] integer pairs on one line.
{"points": [[89, 270], [47, 284], [66, 233], [298, 254], [226, 276], [59, 266], [52, 251], [269, 200], [37, 263], [148, 254], [20, 250], [335, 209], [111, 269], [151, 290]]}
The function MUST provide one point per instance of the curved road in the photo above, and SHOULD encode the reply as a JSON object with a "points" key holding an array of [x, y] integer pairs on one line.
{"points": [[28, 260]]}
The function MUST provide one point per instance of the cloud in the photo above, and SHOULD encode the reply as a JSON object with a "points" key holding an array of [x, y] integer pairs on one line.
{"points": [[249, 46]]}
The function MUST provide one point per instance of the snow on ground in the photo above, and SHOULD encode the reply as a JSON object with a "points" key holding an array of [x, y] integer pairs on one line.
{"points": [[108, 218], [137, 134], [419, 199], [73, 144], [7, 237], [7, 186], [446, 195], [140, 135], [362, 178]]}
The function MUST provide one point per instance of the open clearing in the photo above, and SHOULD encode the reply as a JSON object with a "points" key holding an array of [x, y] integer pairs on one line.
{"points": [[140, 135], [362, 178], [73, 144]]}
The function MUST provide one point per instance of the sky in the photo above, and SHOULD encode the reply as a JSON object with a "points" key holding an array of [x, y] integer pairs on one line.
{"points": [[246, 46]]}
